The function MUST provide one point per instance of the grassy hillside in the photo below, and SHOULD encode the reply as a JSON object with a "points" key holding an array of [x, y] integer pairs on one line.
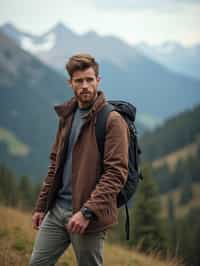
{"points": [[181, 210], [176, 133], [17, 236], [172, 158], [174, 150]]}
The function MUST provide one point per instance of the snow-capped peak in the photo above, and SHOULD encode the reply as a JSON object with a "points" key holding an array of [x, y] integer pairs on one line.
{"points": [[46, 44]]}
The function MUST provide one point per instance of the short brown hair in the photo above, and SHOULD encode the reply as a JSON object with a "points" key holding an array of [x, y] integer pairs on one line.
{"points": [[81, 62]]}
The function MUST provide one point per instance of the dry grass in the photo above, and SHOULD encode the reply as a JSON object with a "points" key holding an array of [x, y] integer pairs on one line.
{"points": [[17, 236]]}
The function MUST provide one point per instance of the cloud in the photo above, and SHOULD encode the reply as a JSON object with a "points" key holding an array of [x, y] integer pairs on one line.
{"points": [[160, 5]]}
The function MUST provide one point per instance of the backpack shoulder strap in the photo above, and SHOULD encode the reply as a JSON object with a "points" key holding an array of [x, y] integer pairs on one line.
{"points": [[101, 126]]}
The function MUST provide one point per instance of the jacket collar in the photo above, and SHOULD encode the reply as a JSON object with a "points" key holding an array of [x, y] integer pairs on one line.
{"points": [[68, 107]]}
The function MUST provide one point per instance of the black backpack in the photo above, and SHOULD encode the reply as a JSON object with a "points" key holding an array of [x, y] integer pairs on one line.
{"points": [[128, 112]]}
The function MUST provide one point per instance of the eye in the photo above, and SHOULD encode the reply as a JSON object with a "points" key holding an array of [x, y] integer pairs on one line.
{"points": [[78, 81], [89, 79]]}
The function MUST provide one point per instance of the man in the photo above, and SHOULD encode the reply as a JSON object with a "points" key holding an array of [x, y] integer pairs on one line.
{"points": [[72, 207]]}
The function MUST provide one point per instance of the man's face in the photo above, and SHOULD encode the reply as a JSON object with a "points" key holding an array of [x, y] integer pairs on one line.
{"points": [[84, 84]]}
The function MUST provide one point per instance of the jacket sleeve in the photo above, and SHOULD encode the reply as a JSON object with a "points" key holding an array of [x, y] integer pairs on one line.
{"points": [[48, 180], [115, 165]]}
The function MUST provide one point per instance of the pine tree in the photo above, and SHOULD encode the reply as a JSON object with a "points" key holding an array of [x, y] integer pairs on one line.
{"points": [[147, 227], [26, 192], [171, 224], [8, 187], [170, 208], [186, 191], [189, 234]]}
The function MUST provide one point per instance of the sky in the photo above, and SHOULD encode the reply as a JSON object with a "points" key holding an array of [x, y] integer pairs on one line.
{"points": [[151, 21]]}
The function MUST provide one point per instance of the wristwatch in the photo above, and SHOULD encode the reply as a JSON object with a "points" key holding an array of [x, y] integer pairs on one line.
{"points": [[88, 213]]}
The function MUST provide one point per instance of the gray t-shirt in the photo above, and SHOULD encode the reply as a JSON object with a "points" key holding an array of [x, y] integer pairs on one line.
{"points": [[64, 197]]}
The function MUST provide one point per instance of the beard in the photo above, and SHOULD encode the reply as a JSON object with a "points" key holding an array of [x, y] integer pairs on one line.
{"points": [[86, 97]]}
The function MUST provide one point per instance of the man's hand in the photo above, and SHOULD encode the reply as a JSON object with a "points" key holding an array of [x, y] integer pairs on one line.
{"points": [[37, 219], [77, 223]]}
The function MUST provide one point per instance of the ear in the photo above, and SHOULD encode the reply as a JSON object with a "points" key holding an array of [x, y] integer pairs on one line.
{"points": [[98, 79]]}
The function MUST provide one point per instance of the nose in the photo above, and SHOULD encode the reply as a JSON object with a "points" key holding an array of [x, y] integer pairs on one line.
{"points": [[85, 84]]}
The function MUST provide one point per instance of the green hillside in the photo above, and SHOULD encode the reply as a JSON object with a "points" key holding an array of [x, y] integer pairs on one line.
{"points": [[184, 153], [177, 132], [181, 210], [173, 149]]}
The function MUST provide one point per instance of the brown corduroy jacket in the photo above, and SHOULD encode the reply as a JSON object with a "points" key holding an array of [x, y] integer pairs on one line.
{"points": [[99, 197]]}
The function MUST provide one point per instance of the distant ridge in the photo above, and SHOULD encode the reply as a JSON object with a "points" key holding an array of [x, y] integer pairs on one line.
{"points": [[126, 72]]}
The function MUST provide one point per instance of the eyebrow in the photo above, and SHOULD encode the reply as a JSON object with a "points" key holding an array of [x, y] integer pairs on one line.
{"points": [[75, 79]]}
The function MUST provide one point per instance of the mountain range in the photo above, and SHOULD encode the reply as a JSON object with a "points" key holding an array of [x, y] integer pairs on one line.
{"points": [[175, 56], [126, 72]]}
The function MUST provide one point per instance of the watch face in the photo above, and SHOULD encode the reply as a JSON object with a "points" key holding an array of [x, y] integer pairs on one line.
{"points": [[88, 216], [86, 213]]}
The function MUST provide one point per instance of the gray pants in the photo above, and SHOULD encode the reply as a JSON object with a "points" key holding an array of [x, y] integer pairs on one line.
{"points": [[53, 239]]}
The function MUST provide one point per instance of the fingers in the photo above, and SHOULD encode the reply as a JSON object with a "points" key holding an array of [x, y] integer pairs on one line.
{"points": [[35, 223], [82, 230], [75, 227], [40, 220], [77, 223], [37, 220]]}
